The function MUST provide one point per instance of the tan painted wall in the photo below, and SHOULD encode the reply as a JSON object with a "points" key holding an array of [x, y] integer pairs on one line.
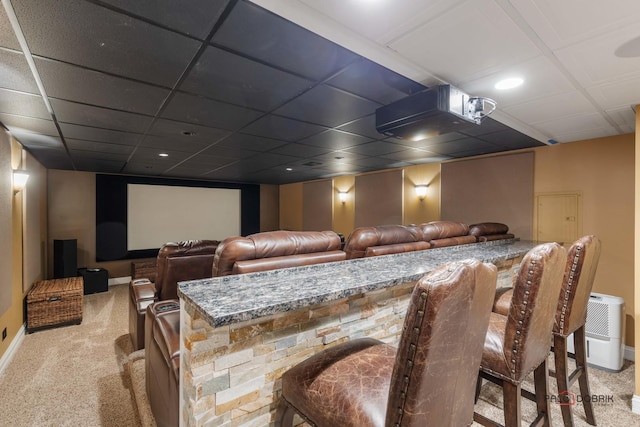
{"points": [[418, 211], [636, 310], [269, 207], [344, 213], [291, 206], [603, 171]]}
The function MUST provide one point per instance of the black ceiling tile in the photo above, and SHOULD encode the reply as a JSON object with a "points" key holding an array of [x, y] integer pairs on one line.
{"points": [[193, 17], [80, 153], [187, 171], [335, 140], [99, 148], [88, 133], [78, 84], [231, 78], [374, 162], [277, 127], [339, 156], [299, 150], [464, 144], [243, 141], [364, 126], [172, 143], [376, 148], [51, 158], [374, 82], [89, 35], [229, 152], [38, 140], [187, 131], [7, 36], [16, 74], [207, 112], [30, 124], [511, 139], [327, 106], [152, 156], [23, 104], [87, 115], [263, 35], [488, 125], [101, 165], [208, 161], [143, 168]]}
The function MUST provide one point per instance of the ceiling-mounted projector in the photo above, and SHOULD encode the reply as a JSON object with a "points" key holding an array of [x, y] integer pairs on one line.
{"points": [[432, 112]]}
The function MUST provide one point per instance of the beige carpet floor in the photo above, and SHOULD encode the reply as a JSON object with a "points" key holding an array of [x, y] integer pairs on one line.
{"points": [[88, 375]]}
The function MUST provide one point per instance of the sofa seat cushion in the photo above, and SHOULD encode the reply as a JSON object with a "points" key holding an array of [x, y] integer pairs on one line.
{"points": [[263, 264]]}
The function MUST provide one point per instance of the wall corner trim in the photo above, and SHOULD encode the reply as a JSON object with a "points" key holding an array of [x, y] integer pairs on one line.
{"points": [[12, 349]]}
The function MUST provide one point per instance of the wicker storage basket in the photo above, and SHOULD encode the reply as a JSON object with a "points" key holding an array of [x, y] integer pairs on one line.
{"points": [[54, 302]]}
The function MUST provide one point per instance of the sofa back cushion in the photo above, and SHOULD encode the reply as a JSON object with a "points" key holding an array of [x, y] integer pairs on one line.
{"points": [[365, 237], [443, 229], [239, 254]]}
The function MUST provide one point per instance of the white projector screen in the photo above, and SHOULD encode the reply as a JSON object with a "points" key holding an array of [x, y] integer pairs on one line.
{"points": [[157, 214]]}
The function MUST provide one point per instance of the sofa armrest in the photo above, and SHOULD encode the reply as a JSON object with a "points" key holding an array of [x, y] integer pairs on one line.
{"points": [[142, 290]]}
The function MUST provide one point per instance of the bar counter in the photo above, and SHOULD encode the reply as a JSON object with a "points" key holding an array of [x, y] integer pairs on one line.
{"points": [[240, 333]]}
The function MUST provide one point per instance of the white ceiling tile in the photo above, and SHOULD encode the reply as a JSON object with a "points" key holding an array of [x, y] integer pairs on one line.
{"points": [[563, 22], [616, 94], [594, 125], [467, 42], [541, 79], [381, 20], [624, 116], [593, 61], [551, 108]]}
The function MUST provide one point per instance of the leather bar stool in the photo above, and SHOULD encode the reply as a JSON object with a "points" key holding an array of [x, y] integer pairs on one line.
{"points": [[570, 318], [518, 343], [425, 381]]}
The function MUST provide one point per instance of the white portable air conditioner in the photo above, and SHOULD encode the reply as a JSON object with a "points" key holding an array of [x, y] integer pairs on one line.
{"points": [[604, 332]]}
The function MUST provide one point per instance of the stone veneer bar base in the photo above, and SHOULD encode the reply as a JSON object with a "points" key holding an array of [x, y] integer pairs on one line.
{"points": [[232, 374]]}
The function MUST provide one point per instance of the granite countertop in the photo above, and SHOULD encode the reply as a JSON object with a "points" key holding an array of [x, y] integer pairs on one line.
{"points": [[231, 299]]}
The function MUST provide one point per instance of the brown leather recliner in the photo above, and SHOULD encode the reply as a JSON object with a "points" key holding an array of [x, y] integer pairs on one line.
{"points": [[384, 240], [176, 262], [426, 381], [276, 249], [489, 231], [446, 233], [234, 255]]}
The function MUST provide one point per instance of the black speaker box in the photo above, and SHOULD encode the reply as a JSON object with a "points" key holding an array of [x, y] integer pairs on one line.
{"points": [[65, 258], [95, 280]]}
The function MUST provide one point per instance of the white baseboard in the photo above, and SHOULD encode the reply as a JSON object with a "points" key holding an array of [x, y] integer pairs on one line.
{"points": [[635, 404], [119, 280], [630, 353], [13, 347]]}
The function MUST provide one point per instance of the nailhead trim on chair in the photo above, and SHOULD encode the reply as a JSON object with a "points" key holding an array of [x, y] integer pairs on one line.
{"points": [[570, 285], [412, 352], [516, 341]]}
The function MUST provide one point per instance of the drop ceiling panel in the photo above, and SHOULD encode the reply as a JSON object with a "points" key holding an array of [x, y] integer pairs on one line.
{"points": [[80, 114], [193, 17], [282, 128], [99, 148], [381, 20], [207, 112], [262, 35], [231, 153], [581, 122], [327, 106], [594, 61], [541, 79], [300, 150], [231, 78], [23, 104], [616, 94], [374, 82], [17, 123], [32, 140], [15, 73], [54, 159], [97, 165], [172, 143], [78, 84], [7, 36], [187, 131], [550, 108], [71, 131], [561, 23], [335, 140], [376, 148], [83, 33], [78, 154], [365, 126], [241, 141], [480, 34]]}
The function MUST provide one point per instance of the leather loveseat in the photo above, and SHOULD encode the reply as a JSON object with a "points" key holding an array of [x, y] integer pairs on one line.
{"points": [[176, 262]]}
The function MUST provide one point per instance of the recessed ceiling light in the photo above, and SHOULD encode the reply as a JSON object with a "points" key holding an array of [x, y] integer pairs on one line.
{"points": [[288, 169], [163, 155], [509, 83]]}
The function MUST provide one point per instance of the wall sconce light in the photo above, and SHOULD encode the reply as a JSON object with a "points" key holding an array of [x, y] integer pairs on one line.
{"points": [[421, 191], [19, 180], [343, 195]]}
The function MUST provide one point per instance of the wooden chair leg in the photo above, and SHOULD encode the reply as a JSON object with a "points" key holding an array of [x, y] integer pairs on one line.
{"points": [[284, 414], [541, 383], [581, 363], [512, 404], [562, 378], [478, 388]]}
